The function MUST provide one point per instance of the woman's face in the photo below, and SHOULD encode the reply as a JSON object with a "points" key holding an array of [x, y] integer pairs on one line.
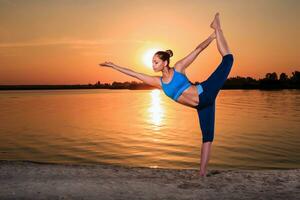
{"points": [[158, 64]]}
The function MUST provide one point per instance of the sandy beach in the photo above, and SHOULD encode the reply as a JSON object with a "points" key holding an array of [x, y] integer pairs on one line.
{"points": [[32, 180]]}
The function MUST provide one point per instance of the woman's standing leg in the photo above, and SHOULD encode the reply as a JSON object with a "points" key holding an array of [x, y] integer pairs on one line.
{"points": [[206, 116]]}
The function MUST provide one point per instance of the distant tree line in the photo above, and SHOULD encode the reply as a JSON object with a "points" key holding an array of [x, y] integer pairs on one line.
{"points": [[270, 81]]}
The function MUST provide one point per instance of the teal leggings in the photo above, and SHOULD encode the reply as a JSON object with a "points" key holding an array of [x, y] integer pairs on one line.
{"points": [[207, 98]]}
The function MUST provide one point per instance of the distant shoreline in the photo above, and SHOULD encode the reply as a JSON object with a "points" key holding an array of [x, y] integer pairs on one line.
{"points": [[138, 87], [270, 82], [57, 181]]}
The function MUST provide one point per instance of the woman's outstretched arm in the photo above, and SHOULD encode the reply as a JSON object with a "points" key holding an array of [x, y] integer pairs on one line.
{"points": [[147, 79], [186, 61]]}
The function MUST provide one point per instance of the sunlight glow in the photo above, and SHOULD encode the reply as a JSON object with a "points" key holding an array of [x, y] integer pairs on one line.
{"points": [[148, 55]]}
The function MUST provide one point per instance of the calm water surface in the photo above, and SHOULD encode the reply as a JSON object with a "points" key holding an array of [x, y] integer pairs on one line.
{"points": [[253, 129]]}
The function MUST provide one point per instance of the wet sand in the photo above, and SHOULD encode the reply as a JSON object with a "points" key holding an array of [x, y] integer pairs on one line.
{"points": [[31, 180]]}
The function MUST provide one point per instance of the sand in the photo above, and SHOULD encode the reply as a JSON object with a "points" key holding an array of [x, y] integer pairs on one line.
{"points": [[31, 180]]}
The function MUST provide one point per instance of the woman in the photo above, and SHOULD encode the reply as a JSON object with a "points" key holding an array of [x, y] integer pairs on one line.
{"points": [[176, 85]]}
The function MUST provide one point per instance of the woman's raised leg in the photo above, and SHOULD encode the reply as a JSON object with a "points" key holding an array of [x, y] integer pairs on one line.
{"points": [[217, 79], [221, 42]]}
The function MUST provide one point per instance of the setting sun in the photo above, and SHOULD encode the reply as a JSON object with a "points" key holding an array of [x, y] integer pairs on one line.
{"points": [[148, 55]]}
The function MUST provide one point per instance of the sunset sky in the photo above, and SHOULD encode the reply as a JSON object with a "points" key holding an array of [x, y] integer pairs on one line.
{"points": [[62, 42]]}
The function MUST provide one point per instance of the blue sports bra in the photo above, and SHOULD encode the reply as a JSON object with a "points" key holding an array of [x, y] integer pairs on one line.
{"points": [[176, 86]]}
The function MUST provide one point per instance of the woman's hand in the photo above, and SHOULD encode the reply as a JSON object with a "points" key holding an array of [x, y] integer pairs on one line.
{"points": [[107, 64], [213, 35]]}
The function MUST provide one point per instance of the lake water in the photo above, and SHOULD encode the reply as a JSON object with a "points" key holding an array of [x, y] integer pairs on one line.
{"points": [[253, 129]]}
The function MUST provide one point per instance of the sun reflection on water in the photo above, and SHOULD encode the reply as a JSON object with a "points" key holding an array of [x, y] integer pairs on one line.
{"points": [[156, 110]]}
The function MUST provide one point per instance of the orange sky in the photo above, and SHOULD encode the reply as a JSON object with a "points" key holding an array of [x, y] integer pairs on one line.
{"points": [[62, 42]]}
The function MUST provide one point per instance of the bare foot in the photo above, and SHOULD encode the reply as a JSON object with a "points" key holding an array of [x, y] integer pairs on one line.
{"points": [[201, 175], [216, 22]]}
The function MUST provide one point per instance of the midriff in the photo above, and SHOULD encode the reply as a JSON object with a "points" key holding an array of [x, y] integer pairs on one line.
{"points": [[189, 97]]}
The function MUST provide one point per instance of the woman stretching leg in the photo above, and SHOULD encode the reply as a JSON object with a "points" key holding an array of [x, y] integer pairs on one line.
{"points": [[177, 86], [211, 87]]}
